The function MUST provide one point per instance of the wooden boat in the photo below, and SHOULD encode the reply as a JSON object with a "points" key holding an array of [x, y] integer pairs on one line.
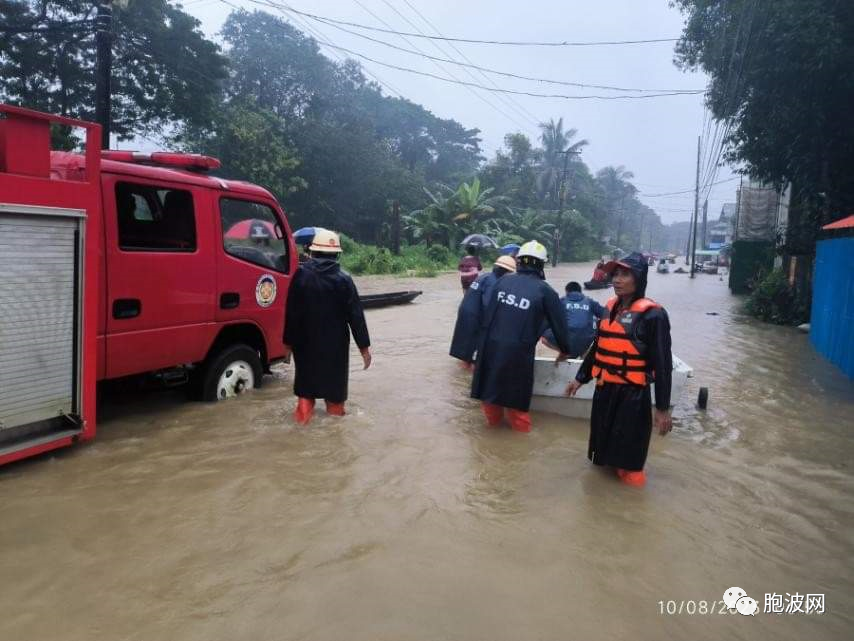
{"points": [[372, 301], [597, 284], [550, 386]]}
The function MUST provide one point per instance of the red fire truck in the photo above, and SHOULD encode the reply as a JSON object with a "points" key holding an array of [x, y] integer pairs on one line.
{"points": [[117, 263]]}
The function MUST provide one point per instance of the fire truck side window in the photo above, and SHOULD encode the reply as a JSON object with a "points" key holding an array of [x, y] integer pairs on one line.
{"points": [[251, 232], [155, 219]]}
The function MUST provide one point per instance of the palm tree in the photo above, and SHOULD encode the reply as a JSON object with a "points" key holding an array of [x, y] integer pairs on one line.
{"points": [[555, 143], [615, 183]]}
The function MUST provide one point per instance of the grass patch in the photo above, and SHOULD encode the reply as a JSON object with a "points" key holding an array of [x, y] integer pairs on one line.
{"points": [[417, 260]]}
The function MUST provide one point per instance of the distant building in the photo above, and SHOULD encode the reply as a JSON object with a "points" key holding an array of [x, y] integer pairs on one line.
{"points": [[720, 232]]}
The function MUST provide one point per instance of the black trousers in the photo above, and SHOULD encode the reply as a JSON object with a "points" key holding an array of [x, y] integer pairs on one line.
{"points": [[620, 426]]}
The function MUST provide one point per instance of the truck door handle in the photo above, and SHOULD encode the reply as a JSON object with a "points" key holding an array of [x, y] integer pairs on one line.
{"points": [[124, 308], [229, 300]]}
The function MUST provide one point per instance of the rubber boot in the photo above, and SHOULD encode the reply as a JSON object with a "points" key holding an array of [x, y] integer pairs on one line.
{"points": [[635, 478], [335, 409], [304, 410], [519, 421], [493, 413]]}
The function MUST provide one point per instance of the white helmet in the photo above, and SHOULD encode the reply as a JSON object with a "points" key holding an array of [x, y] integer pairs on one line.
{"points": [[325, 241], [534, 249]]}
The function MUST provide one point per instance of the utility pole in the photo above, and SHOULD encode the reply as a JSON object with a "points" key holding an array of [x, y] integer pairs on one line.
{"points": [[395, 227], [705, 222], [103, 68], [562, 199], [696, 211], [640, 231]]}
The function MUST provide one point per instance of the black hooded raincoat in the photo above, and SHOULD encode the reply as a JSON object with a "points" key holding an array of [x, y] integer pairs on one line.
{"points": [[621, 419], [323, 308]]}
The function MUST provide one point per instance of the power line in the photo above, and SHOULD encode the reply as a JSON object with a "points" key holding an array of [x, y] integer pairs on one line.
{"points": [[506, 74], [324, 40], [511, 91], [687, 191], [516, 43], [440, 67], [509, 101]]}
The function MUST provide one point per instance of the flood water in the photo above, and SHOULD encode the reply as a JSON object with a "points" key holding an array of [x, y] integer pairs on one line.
{"points": [[408, 519]]}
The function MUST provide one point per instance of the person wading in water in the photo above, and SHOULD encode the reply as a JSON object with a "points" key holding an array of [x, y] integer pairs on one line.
{"points": [[323, 308], [631, 351], [520, 305], [471, 311]]}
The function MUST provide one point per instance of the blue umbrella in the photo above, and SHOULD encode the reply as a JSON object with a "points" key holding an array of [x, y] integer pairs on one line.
{"points": [[304, 235], [509, 249]]}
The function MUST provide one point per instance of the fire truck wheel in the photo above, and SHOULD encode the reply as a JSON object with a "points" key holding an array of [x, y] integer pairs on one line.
{"points": [[231, 372]]}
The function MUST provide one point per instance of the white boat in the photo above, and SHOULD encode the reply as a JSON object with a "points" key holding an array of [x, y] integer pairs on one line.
{"points": [[550, 387]]}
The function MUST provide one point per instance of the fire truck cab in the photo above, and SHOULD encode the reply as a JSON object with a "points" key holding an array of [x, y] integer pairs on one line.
{"points": [[117, 263]]}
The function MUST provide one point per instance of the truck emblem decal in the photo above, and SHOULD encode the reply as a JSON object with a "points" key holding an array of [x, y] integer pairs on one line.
{"points": [[265, 290]]}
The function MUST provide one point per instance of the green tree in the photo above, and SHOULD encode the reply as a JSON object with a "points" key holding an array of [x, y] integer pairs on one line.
{"points": [[782, 79], [252, 145], [618, 194], [556, 142], [436, 220], [472, 204], [164, 70]]}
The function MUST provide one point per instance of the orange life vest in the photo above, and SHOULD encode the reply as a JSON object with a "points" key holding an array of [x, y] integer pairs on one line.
{"points": [[619, 358]]}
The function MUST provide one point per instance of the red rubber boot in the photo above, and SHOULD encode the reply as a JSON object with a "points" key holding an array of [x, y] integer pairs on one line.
{"points": [[335, 409], [519, 421], [493, 413], [635, 478], [304, 410]]}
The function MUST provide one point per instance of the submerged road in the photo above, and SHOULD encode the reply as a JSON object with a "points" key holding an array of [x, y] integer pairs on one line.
{"points": [[409, 520]]}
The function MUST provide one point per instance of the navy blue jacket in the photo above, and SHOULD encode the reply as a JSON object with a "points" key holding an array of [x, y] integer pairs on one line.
{"points": [[470, 316], [518, 306], [582, 317]]}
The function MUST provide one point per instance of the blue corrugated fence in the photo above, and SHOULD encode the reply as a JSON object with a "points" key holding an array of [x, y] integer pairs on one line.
{"points": [[832, 316]]}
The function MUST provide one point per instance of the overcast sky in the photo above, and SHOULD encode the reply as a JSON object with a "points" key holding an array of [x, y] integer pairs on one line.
{"points": [[655, 138]]}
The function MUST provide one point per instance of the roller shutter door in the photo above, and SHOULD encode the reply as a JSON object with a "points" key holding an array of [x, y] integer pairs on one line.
{"points": [[38, 325]]}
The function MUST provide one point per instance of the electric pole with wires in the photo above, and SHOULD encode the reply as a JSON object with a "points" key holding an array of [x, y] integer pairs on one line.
{"points": [[103, 68], [562, 200]]}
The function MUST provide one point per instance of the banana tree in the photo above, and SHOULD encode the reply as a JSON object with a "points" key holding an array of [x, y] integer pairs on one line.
{"points": [[435, 221], [474, 206]]}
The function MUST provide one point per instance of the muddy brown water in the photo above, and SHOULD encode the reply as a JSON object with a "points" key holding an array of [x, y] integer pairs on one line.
{"points": [[409, 520]]}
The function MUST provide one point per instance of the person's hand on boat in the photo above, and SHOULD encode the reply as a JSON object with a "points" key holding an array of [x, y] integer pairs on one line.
{"points": [[573, 387], [663, 421], [366, 357], [560, 358]]}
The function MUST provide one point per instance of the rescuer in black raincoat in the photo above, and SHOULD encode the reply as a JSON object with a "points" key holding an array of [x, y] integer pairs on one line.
{"points": [[471, 311], [323, 308], [520, 304], [631, 350]]}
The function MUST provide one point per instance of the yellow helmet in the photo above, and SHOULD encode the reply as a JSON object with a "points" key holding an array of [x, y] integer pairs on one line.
{"points": [[506, 262], [325, 241], [534, 249]]}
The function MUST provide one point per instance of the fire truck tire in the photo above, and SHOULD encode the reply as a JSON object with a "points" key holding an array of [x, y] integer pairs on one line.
{"points": [[230, 372]]}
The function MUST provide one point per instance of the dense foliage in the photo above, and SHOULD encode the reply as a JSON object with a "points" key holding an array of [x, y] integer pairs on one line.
{"points": [[323, 138], [783, 78], [774, 301]]}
